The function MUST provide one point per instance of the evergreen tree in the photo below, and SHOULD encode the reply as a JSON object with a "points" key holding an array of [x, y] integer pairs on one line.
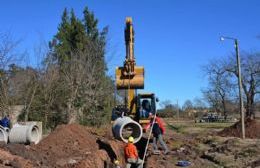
{"points": [[70, 37], [79, 50]]}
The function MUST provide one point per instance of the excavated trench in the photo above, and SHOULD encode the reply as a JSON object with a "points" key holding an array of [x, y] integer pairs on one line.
{"points": [[107, 147]]}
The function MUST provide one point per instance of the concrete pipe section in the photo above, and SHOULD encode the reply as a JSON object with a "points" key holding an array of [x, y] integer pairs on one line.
{"points": [[3, 134], [24, 134], [125, 127]]}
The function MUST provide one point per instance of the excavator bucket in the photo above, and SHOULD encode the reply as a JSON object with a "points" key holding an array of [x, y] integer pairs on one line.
{"points": [[135, 81]]}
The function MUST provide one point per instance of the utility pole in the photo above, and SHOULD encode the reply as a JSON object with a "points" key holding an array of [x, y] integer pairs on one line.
{"points": [[240, 89], [238, 71]]}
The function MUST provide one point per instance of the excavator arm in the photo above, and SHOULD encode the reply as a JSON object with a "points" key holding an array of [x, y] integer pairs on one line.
{"points": [[130, 77], [129, 64]]}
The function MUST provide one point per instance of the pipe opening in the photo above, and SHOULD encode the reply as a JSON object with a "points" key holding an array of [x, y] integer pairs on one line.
{"points": [[131, 129], [35, 135], [125, 127], [7, 130]]}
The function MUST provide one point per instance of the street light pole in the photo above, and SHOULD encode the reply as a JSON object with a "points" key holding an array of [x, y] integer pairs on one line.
{"points": [[239, 84], [240, 89]]}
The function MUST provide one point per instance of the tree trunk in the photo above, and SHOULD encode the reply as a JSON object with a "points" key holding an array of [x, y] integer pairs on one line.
{"points": [[224, 109], [249, 106], [26, 116], [72, 115]]}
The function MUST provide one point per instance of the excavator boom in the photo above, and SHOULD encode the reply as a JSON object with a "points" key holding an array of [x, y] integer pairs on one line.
{"points": [[130, 77], [129, 63]]}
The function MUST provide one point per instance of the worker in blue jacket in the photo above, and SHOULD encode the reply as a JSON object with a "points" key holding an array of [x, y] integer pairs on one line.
{"points": [[5, 122]]}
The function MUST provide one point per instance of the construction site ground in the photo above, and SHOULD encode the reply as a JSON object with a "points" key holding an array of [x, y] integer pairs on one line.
{"points": [[204, 145]]}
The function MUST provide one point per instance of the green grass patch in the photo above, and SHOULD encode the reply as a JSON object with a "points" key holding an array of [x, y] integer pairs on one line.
{"points": [[213, 125], [177, 128]]}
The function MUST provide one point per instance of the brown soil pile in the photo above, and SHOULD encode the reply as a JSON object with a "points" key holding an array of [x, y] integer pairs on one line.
{"points": [[71, 146], [252, 129], [9, 160]]}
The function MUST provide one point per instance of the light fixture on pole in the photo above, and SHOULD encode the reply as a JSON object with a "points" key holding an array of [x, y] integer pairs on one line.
{"points": [[239, 83]]}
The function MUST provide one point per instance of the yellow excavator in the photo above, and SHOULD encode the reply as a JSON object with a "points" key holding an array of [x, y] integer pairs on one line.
{"points": [[130, 78]]}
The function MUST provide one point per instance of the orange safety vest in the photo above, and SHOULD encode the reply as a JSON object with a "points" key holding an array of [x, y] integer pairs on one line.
{"points": [[131, 151], [160, 123]]}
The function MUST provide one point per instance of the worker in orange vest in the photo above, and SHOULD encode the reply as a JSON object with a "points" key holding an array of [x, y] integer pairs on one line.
{"points": [[131, 154]]}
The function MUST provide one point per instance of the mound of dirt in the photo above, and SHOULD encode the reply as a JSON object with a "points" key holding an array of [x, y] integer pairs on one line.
{"points": [[252, 129], [9, 160], [71, 146]]}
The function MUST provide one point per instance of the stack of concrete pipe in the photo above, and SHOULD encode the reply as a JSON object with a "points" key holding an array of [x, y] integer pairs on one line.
{"points": [[122, 125], [21, 133]]}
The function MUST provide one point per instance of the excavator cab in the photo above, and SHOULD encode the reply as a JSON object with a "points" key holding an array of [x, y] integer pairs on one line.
{"points": [[146, 103]]}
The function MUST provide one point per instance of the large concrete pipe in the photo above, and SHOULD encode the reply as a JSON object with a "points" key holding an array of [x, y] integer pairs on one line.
{"points": [[24, 134], [125, 127], [3, 134]]}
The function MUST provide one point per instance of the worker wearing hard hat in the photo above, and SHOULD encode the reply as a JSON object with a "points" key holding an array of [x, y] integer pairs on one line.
{"points": [[131, 154], [117, 163]]}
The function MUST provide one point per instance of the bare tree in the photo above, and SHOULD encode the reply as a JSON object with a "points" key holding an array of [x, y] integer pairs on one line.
{"points": [[8, 55], [8, 50], [222, 76], [165, 103], [212, 98], [199, 103], [82, 78], [168, 106], [220, 87], [187, 106], [49, 86], [250, 71]]}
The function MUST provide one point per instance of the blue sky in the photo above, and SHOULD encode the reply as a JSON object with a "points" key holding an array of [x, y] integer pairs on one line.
{"points": [[173, 38]]}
